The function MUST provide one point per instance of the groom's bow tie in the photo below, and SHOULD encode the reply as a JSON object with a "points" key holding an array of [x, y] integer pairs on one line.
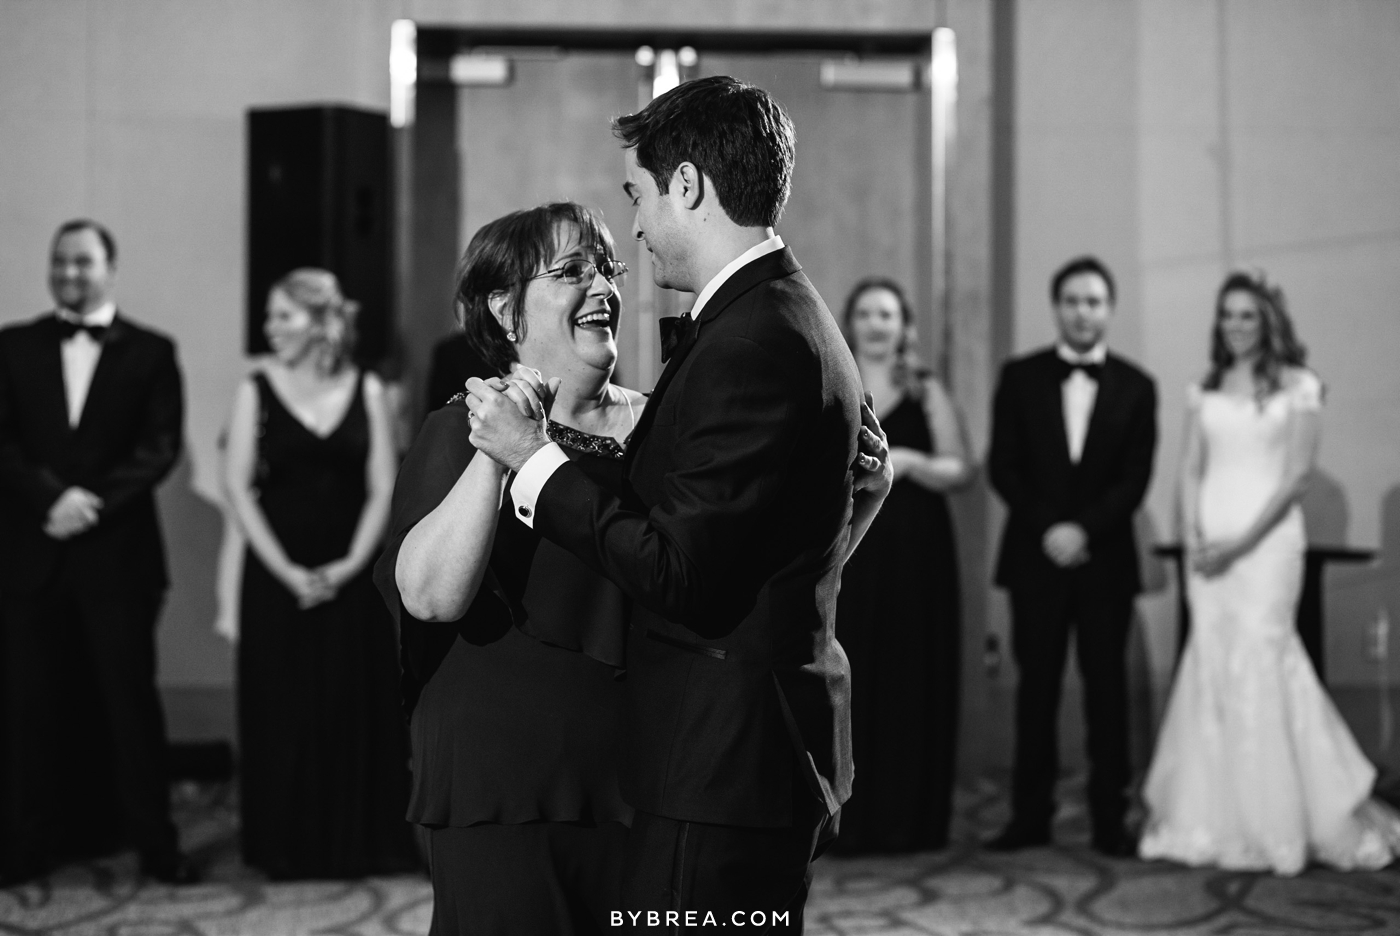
{"points": [[1091, 370], [69, 328], [675, 330]]}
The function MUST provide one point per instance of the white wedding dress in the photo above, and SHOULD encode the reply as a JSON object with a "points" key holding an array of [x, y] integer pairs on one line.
{"points": [[1254, 767]]}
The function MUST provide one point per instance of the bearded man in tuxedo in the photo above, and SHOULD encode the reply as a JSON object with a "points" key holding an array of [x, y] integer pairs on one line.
{"points": [[90, 423]]}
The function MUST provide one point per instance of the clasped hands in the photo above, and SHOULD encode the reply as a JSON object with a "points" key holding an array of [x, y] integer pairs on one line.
{"points": [[508, 414], [1216, 556], [508, 424], [312, 587], [75, 511], [1066, 544]]}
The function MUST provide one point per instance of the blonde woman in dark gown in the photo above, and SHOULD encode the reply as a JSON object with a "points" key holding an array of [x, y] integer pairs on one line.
{"points": [[309, 474]]}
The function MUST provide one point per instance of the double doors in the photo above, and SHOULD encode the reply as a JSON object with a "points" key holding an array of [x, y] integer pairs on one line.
{"points": [[861, 196]]}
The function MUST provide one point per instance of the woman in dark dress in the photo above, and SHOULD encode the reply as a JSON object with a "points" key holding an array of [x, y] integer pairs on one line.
{"points": [[512, 648], [898, 613], [310, 463]]}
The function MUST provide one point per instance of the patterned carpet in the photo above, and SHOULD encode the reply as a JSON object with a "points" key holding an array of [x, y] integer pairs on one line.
{"points": [[1063, 890]]}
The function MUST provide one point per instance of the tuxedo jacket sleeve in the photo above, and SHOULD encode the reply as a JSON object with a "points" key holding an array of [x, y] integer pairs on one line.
{"points": [[1010, 466], [26, 479], [728, 537], [157, 436], [695, 558]]}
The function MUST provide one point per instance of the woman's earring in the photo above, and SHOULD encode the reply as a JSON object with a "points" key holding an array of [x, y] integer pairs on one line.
{"points": [[510, 336]]}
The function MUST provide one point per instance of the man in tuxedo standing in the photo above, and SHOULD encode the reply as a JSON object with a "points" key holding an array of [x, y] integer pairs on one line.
{"points": [[90, 422], [1074, 429], [731, 532]]}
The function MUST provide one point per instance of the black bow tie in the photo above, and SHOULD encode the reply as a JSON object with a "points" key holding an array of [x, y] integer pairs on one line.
{"points": [[70, 328], [1090, 369], [675, 330]]}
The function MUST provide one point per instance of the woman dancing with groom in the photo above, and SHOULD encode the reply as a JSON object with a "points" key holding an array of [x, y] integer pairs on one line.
{"points": [[693, 540]]}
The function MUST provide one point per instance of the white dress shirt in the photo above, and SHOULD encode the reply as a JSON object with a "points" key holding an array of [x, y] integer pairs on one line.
{"points": [[80, 355], [1077, 395], [761, 249], [542, 465]]}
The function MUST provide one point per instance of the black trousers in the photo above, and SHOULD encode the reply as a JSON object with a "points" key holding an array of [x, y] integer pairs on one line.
{"points": [[1040, 629], [680, 875], [46, 635], [527, 879]]}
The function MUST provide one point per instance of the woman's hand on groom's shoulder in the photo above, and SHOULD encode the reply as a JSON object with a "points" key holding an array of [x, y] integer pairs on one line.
{"points": [[874, 471]]}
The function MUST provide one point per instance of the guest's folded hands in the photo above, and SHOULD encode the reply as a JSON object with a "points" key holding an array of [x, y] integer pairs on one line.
{"points": [[1214, 558], [1067, 545], [75, 511], [308, 586]]}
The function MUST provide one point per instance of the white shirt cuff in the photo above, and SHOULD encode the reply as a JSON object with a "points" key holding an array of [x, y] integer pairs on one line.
{"points": [[531, 479]]}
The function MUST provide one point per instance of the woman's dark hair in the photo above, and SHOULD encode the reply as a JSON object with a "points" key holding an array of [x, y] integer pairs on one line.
{"points": [[1278, 348], [1082, 265], [502, 256], [736, 134]]}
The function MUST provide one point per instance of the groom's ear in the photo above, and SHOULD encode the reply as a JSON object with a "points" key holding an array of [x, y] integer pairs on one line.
{"points": [[688, 184]]}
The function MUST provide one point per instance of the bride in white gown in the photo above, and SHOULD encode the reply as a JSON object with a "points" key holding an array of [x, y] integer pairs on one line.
{"points": [[1254, 767]]}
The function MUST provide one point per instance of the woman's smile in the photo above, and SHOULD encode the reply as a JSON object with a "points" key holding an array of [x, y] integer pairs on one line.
{"points": [[595, 319]]}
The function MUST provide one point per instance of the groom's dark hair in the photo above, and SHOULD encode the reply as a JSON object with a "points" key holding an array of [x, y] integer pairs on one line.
{"points": [[734, 133]]}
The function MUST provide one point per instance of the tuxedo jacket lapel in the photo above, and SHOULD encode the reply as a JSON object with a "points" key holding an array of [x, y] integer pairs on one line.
{"points": [[1107, 396], [1052, 406], [649, 411], [109, 363], [773, 265], [48, 365], [769, 266]]}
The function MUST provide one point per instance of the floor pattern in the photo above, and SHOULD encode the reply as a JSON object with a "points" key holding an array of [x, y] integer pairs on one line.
{"points": [[1067, 889]]}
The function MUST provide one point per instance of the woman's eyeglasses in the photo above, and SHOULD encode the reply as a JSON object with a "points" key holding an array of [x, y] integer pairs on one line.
{"points": [[578, 272]]}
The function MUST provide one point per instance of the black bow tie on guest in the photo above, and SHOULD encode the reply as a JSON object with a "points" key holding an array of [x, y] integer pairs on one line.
{"points": [[675, 330], [70, 328], [1090, 369]]}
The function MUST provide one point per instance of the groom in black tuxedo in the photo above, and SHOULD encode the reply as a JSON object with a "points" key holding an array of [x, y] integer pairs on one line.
{"points": [[90, 422], [732, 530], [1074, 429]]}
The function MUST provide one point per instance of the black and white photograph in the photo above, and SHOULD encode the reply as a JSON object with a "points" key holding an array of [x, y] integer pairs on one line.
{"points": [[565, 467]]}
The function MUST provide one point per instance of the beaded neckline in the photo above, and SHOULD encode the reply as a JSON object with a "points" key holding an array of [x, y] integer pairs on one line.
{"points": [[586, 442], [576, 439]]}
